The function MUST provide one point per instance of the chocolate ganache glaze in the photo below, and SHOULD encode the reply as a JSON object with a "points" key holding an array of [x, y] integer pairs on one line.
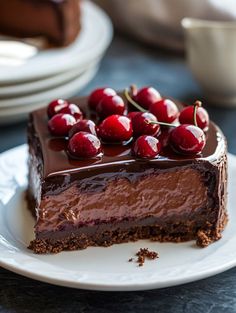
{"points": [[172, 197], [57, 161]]}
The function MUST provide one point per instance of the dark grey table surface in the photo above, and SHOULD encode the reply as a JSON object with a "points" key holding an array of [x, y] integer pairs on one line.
{"points": [[127, 62]]}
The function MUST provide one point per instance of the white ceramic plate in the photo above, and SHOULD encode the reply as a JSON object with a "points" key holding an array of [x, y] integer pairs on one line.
{"points": [[92, 42], [25, 88], [45, 94], [30, 103], [102, 268]]}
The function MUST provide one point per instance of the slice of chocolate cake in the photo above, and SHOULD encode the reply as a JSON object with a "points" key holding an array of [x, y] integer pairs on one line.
{"points": [[56, 20], [117, 197]]}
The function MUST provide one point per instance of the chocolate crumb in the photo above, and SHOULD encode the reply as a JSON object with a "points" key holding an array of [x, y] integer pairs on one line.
{"points": [[144, 254], [141, 259]]}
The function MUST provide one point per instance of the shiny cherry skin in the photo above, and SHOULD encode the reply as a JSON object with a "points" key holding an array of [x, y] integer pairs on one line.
{"points": [[141, 126], [84, 145], [164, 135], [165, 110], [73, 110], [132, 114], [115, 128], [97, 95], [146, 147], [85, 126], [187, 139], [110, 105], [60, 124], [55, 106], [147, 96], [187, 117]]}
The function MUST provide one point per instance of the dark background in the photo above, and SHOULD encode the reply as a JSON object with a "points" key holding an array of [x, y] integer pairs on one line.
{"points": [[127, 62]]}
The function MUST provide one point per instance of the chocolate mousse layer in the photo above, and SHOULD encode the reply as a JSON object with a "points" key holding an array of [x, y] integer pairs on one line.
{"points": [[116, 198], [58, 21]]}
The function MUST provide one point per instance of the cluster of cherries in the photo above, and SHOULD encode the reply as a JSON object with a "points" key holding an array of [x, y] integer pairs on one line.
{"points": [[186, 135]]}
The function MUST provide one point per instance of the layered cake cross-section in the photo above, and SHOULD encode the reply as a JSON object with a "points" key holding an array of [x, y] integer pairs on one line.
{"points": [[56, 20], [107, 185]]}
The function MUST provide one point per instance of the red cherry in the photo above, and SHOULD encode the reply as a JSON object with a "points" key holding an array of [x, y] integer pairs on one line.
{"points": [[97, 95], [60, 124], [87, 126], [110, 105], [55, 106], [141, 126], [186, 117], [73, 110], [131, 115], [187, 139], [115, 128], [147, 96], [84, 145], [165, 110], [146, 147], [164, 136]]}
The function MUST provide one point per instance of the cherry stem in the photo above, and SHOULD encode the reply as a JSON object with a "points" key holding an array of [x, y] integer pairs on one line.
{"points": [[197, 104], [135, 104], [133, 89], [162, 123]]}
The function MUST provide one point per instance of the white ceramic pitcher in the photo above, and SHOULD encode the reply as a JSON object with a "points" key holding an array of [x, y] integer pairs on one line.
{"points": [[211, 54]]}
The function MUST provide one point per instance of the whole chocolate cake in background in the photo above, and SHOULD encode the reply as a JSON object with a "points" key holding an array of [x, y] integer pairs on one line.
{"points": [[56, 20], [134, 175]]}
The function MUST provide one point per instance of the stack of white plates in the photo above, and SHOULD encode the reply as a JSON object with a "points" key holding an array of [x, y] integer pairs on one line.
{"points": [[30, 77]]}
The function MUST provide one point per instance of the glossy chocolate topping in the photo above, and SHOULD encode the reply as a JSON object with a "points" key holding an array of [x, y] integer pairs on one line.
{"points": [[57, 161]]}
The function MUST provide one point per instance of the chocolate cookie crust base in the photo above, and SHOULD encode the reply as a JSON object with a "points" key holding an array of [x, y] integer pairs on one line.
{"points": [[171, 233]]}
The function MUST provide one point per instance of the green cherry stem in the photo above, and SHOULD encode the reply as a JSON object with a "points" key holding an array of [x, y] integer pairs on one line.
{"points": [[135, 104], [162, 124], [197, 104], [133, 89]]}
